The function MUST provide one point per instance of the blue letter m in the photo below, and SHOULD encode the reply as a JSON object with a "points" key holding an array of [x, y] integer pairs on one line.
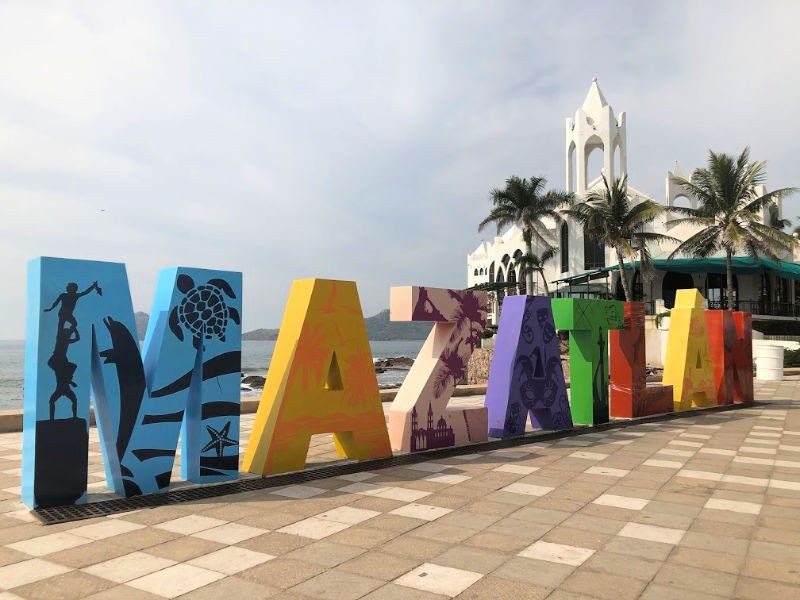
{"points": [[82, 342]]}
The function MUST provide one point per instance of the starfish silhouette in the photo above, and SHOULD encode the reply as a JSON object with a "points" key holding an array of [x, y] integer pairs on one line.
{"points": [[219, 439]]}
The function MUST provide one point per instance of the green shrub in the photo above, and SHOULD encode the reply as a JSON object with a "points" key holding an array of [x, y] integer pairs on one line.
{"points": [[791, 358]]}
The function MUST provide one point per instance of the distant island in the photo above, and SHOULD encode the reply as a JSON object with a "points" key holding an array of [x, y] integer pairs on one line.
{"points": [[379, 328]]}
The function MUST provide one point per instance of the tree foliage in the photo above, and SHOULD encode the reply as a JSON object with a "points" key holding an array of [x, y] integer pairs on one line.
{"points": [[609, 216], [729, 212], [526, 203]]}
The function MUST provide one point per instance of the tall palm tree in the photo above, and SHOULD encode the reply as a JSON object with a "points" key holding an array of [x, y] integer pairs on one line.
{"points": [[730, 211], [607, 215], [525, 202]]}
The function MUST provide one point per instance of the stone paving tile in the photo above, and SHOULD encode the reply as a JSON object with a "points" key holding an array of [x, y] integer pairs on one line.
{"points": [[437, 579], [652, 508]]}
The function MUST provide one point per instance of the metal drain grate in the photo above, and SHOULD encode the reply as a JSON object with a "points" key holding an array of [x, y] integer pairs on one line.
{"points": [[77, 512]]}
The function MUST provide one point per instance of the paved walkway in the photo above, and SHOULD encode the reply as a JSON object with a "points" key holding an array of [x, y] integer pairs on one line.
{"points": [[699, 507]]}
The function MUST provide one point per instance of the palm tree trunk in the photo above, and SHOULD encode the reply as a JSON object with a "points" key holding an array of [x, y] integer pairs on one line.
{"points": [[729, 270], [529, 273], [625, 287], [544, 281]]}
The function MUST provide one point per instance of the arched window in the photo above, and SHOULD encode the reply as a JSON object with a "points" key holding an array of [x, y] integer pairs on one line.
{"points": [[594, 253], [501, 292], [491, 273], [512, 278], [564, 248], [476, 272]]}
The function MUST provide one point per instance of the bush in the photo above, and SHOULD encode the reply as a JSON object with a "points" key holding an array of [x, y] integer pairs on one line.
{"points": [[791, 358]]}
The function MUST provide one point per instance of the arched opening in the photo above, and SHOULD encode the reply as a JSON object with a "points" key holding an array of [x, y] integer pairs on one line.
{"points": [[512, 278], [505, 260], [594, 252], [491, 272], [682, 201], [672, 283], [595, 159], [475, 273], [564, 247], [500, 292], [480, 271], [717, 291], [617, 162]]}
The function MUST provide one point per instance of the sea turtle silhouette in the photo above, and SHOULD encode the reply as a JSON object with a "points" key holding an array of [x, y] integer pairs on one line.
{"points": [[203, 311]]}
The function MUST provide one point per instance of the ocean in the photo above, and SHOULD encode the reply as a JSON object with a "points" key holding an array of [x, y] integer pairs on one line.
{"points": [[256, 357]]}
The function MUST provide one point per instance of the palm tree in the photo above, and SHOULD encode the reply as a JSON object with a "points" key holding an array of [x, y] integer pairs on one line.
{"points": [[730, 210], [525, 203], [607, 215], [535, 263]]}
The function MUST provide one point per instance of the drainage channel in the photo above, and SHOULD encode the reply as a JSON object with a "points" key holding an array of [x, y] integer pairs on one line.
{"points": [[76, 512]]}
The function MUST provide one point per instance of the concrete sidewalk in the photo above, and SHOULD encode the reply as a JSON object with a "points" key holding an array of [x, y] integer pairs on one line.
{"points": [[701, 507]]}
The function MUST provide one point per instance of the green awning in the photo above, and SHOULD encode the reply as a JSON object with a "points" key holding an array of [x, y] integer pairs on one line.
{"points": [[742, 265]]}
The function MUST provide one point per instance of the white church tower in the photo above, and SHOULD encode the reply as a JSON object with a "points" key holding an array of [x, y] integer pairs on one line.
{"points": [[595, 128]]}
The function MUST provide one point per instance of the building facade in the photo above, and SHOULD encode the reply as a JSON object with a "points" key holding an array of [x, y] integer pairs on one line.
{"points": [[584, 268]]}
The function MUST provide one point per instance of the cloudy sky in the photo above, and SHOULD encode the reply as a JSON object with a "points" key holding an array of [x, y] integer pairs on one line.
{"points": [[350, 140]]}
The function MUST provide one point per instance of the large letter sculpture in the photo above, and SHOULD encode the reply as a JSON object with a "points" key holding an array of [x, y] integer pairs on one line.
{"points": [[526, 377], [459, 318], [321, 379], [588, 322], [631, 396], [687, 364], [81, 338], [730, 336]]}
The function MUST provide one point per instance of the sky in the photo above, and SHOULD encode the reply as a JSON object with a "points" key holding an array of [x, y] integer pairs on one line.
{"points": [[351, 140]]}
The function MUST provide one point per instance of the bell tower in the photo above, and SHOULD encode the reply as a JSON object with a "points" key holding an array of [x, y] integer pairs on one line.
{"points": [[594, 128]]}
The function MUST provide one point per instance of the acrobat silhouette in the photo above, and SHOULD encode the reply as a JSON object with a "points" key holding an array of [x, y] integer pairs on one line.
{"points": [[66, 334], [64, 370], [69, 299]]}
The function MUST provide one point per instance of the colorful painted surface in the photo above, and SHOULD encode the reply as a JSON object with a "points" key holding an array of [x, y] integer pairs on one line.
{"points": [[630, 395], [588, 322], [82, 342], [687, 364], [730, 336], [459, 317], [526, 378], [321, 379]]}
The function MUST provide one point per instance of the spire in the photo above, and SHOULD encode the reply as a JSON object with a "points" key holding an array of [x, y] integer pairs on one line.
{"points": [[594, 99], [677, 170]]}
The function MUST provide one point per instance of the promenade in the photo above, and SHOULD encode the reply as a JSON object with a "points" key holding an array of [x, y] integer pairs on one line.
{"points": [[704, 506]]}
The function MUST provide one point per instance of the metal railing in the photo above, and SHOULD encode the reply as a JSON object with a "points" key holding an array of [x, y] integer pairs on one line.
{"points": [[759, 307]]}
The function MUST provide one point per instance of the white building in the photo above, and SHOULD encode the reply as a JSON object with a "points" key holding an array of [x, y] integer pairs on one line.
{"points": [[584, 269]]}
